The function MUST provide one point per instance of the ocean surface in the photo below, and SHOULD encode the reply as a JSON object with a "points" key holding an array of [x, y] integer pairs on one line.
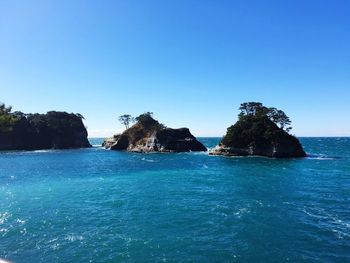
{"points": [[94, 205]]}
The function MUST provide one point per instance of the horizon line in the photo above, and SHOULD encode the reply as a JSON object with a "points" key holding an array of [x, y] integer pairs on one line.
{"points": [[323, 136]]}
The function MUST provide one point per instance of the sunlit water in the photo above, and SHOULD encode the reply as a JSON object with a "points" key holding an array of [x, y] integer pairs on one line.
{"points": [[94, 205]]}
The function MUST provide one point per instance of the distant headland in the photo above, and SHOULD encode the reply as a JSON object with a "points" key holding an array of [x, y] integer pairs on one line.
{"points": [[53, 130]]}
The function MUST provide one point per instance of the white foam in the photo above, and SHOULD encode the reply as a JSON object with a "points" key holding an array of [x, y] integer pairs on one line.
{"points": [[73, 237], [20, 221], [42, 151], [148, 160], [320, 158]]}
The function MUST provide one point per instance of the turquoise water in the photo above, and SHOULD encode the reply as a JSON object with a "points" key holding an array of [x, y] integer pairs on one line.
{"points": [[94, 205]]}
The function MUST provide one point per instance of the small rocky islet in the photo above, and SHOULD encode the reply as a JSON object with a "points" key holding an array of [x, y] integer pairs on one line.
{"points": [[148, 135], [260, 131]]}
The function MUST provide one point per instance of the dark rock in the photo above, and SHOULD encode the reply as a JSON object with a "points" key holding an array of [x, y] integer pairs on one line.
{"points": [[54, 130], [258, 136], [148, 135], [121, 144]]}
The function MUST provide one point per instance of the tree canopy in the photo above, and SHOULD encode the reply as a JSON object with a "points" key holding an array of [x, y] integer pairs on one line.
{"points": [[146, 119], [257, 109], [126, 119], [7, 119]]}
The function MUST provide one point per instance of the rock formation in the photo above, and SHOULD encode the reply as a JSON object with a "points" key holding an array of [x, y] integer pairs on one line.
{"points": [[255, 133], [148, 135], [54, 130]]}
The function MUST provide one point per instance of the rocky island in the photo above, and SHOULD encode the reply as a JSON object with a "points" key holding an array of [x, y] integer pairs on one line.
{"points": [[260, 131], [148, 135], [53, 130]]}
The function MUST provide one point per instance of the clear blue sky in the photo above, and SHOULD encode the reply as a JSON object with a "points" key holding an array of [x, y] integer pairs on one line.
{"points": [[190, 62]]}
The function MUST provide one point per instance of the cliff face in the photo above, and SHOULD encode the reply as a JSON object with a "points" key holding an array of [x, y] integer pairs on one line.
{"points": [[150, 136], [54, 130], [258, 136]]}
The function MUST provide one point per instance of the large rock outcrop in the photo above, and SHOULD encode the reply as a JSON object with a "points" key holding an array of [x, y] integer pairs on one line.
{"points": [[53, 130], [258, 135], [148, 135]]}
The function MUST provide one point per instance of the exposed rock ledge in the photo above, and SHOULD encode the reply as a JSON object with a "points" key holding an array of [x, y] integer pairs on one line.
{"points": [[274, 150], [148, 135]]}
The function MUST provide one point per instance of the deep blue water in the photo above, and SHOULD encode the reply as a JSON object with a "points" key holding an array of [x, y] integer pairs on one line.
{"points": [[94, 205]]}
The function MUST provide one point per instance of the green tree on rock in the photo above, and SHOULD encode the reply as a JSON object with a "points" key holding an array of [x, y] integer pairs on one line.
{"points": [[126, 119], [7, 119], [258, 110], [146, 119]]}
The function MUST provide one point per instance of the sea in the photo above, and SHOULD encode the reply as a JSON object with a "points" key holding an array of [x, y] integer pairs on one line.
{"points": [[96, 205]]}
